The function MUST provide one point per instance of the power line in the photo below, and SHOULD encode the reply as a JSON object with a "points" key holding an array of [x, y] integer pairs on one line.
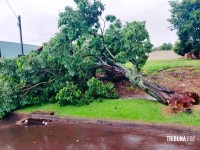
{"points": [[147, 11], [11, 8]]}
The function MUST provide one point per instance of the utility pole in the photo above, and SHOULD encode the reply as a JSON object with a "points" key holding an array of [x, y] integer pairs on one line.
{"points": [[0, 52], [20, 32]]}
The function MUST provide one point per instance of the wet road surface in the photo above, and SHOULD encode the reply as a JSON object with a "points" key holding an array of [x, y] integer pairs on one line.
{"points": [[67, 136]]}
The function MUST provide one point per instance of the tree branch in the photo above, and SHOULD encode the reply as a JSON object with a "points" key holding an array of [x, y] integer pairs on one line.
{"points": [[104, 23], [31, 87], [97, 57], [102, 36]]}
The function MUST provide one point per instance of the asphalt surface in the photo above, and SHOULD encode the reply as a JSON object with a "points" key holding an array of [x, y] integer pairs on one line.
{"points": [[73, 136]]}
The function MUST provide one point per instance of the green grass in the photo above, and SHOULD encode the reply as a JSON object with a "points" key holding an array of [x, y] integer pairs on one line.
{"points": [[134, 109], [155, 66]]}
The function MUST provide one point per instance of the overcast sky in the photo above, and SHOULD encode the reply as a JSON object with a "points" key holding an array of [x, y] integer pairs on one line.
{"points": [[39, 18]]}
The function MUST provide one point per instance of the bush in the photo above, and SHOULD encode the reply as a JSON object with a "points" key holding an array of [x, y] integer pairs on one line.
{"points": [[97, 89], [70, 95]]}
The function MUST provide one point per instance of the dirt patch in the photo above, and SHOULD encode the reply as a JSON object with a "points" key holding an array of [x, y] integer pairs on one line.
{"points": [[195, 107], [182, 79], [125, 89], [167, 110]]}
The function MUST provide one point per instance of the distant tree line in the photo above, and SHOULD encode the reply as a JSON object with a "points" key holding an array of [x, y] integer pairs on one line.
{"points": [[164, 46]]}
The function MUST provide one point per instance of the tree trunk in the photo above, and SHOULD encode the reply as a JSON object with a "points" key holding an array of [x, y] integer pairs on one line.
{"points": [[198, 54], [159, 92]]}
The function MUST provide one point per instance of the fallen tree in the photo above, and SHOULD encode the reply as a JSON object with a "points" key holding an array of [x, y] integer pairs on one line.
{"points": [[64, 70], [179, 101]]}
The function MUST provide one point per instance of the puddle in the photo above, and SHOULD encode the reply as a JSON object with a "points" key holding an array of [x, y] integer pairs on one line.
{"points": [[133, 139]]}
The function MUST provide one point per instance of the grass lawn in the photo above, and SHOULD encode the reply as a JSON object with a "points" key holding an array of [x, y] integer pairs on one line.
{"points": [[154, 66], [133, 109]]}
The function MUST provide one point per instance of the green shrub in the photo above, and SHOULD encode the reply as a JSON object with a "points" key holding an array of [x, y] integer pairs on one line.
{"points": [[69, 95], [97, 89], [72, 95]]}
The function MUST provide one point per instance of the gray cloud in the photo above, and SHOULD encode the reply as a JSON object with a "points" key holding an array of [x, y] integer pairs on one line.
{"points": [[39, 18]]}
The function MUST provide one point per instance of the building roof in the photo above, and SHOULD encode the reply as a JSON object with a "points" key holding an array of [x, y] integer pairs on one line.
{"points": [[13, 49], [39, 48]]}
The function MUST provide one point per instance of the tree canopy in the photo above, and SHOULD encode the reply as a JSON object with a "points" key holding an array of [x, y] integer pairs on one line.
{"points": [[185, 19], [65, 70]]}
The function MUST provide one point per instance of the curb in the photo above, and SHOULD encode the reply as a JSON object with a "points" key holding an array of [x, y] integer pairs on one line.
{"points": [[117, 123]]}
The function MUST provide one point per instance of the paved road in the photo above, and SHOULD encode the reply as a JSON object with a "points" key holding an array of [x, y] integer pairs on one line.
{"points": [[63, 135]]}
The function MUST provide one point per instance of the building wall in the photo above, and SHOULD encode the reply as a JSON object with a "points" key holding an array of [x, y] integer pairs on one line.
{"points": [[11, 49]]}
